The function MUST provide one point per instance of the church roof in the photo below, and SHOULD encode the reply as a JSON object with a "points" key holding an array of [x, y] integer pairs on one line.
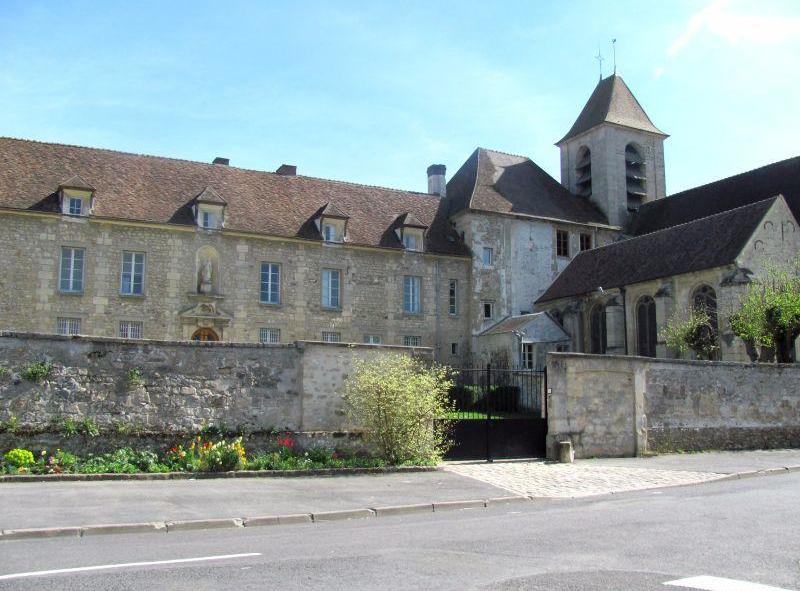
{"points": [[534, 328], [504, 183], [163, 190], [706, 243], [779, 178], [611, 102]]}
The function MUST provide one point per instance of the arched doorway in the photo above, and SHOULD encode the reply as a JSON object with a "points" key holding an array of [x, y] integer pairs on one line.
{"points": [[205, 334]]}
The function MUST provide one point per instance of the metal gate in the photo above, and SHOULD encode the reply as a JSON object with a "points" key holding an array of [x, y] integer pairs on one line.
{"points": [[499, 413]]}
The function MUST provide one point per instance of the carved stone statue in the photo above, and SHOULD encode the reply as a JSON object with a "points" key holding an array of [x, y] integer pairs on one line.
{"points": [[206, 277]]}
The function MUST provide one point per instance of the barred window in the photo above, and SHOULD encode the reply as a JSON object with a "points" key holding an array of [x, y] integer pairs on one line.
{"points": [[270, 283], [452, 301], [130, 329], [269, 335], [68, 325], [411, 304], [412, 341], [71, 273], [132, 278], [331, 337]]}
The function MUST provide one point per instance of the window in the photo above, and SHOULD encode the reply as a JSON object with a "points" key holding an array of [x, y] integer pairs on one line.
{"points": [[646, 327], [208, 220], [562, 243], [331, 337], [132, 279], [488, 310], [129, 329], [586, 242], [488, 256], [412, 341], [527, 356], [372, 339], [453, 348], [75, 206], [410, 241], [635, 177], [411, 294], [329, 232], [597, 330], [704, 299], [269, 335], [452, 298], [71, 274], [270, 283], [583, 173], [330, 289], [69, 325]]}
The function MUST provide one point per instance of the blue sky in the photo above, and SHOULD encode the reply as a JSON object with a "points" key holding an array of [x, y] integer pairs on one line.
{"points": [[373, 92]]}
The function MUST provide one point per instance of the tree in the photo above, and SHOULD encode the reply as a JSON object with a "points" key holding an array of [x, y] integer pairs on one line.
{"points": [[693, 330], [401, 404], [768, 318]]}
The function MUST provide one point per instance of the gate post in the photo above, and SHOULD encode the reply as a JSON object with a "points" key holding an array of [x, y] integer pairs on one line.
{"points": [[488, 399]]}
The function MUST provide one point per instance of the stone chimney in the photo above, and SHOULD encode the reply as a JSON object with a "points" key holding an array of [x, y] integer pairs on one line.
{"points": [[437, 185], [287, 170], [221, 160]]}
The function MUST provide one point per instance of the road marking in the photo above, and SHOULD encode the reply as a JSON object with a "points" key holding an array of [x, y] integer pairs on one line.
{"points": [[707, 583], [80, 569]]}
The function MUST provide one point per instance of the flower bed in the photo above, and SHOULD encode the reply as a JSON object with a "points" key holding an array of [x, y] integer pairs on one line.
{"points": [[199, 455]]}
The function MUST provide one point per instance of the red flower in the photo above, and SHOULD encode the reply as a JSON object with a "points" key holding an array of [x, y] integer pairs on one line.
{"points": [[286, 442]]}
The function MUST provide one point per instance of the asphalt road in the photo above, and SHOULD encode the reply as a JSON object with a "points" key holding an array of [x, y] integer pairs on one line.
{"points": [[747, 530]]}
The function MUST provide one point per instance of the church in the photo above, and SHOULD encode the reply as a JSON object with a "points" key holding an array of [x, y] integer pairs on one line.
{"points": [[500, 262]]}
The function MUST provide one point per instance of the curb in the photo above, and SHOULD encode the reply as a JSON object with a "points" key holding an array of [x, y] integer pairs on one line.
{"points": [[758, 473], [210, 475]]}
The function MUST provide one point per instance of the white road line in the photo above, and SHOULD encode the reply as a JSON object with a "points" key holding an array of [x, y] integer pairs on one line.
{"points": [[707, 583], [80, 569]]}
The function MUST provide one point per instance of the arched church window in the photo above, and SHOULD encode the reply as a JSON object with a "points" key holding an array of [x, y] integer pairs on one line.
{"points": [[635, 177], [704, 299], [583, 172], [597, 330], [646, 326]]}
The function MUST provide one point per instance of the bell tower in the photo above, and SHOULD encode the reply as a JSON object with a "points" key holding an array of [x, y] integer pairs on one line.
{"points": [[613, 154]]}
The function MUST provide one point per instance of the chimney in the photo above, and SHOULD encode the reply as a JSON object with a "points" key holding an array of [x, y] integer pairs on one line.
{"points": [[437, 185], [287, 170], [221, 160]]}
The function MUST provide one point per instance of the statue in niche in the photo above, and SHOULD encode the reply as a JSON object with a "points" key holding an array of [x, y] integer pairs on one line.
{"points": [[206, 277]]}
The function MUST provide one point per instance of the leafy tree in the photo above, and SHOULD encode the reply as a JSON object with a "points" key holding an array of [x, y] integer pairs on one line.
{"points": [[400, 403], [692, 330], [768, 318]]}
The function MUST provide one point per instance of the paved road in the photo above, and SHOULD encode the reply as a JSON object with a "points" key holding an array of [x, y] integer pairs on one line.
{"points": [[746, 530]]}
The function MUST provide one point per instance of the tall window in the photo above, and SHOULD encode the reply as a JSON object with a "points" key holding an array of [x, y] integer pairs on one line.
{"points": [[452, 298], [270, 283], [562, 243], [132, 279], [488, 256], [411, 286], [129, 329], [410, 241], [583, 173], [331, 337], [68, 325], [586, 242], [453, 348], [331, 288], [208, 219], [71, 274], [329, 232], [269, 335], [597, 333], [646, 327], [487, 308], [75, 206], [704, 299], [635, 176], [412, 341], [528, 355]]}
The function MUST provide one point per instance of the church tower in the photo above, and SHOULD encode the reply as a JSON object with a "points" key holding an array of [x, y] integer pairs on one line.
{"points": [[613, 154]]}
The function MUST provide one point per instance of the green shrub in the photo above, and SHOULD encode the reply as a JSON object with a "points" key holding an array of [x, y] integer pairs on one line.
{"points": [[19, 458], [135, 377], [691, 330], [11, 425], [400, 403], [89, 428], [4, 372], [69, 428], [122, 461], [221, 456], [36, 371]]}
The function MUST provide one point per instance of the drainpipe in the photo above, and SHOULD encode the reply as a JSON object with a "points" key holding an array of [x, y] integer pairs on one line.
{"points": [[624, 319]]}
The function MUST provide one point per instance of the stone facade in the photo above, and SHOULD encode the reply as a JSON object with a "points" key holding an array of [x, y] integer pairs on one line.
{"points": [[625, 406], [171, 307], [179, 387]]}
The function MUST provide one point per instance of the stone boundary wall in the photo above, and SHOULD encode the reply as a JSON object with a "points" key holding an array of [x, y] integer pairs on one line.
{"points": [[178, 387], [624, 406]]}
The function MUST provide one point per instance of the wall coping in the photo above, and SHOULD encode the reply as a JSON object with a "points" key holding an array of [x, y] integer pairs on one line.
{"points": [[43, 336], [660, 360]]}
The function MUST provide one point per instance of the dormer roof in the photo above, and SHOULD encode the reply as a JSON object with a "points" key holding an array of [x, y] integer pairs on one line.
{"points": [[76, 182], [330, 210], [209, 195], [409, 220], [611, 102]]}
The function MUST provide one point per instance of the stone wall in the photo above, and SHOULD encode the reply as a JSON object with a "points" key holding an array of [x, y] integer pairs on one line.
{"points": [[178, 387], [624, 406]]}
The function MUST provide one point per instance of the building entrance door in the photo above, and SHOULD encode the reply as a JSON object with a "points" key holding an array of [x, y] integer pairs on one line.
{"points": [[205, 334]]}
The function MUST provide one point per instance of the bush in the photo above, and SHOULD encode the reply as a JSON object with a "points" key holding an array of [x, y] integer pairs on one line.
{"points": [[89, 428], [36, 371], [11, 425], [19, 458], [691, 331], [400, 403], [135, 377], [122, 461], [221, 456]]}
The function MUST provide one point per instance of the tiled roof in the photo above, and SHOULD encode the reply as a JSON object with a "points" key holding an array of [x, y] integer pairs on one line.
{"points": [[611, 102], [706, 243], [779, 178], [161, 190], [536, 328], [209, 195], [504, 183]]}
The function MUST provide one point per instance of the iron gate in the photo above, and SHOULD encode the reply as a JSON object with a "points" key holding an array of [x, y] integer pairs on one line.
{"points": [[499, 413]]}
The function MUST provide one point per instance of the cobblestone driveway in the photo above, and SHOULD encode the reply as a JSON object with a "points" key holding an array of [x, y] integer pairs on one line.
{"points": [[541, 479]]}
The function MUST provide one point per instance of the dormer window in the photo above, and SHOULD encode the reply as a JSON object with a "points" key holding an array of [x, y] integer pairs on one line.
{"points": [[329, 233], [410, 241], [209, 209], [411, 232], [76, 196], [331, 223]]}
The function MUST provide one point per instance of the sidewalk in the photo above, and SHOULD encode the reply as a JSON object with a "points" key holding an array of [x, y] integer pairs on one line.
{"points": [[74, 504]]}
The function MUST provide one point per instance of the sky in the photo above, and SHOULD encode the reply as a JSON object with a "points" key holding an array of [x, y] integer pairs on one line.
{"points": [[374, 92]]}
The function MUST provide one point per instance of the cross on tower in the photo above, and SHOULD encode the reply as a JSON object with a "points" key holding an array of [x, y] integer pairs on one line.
{"points": [[599, 58]]}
